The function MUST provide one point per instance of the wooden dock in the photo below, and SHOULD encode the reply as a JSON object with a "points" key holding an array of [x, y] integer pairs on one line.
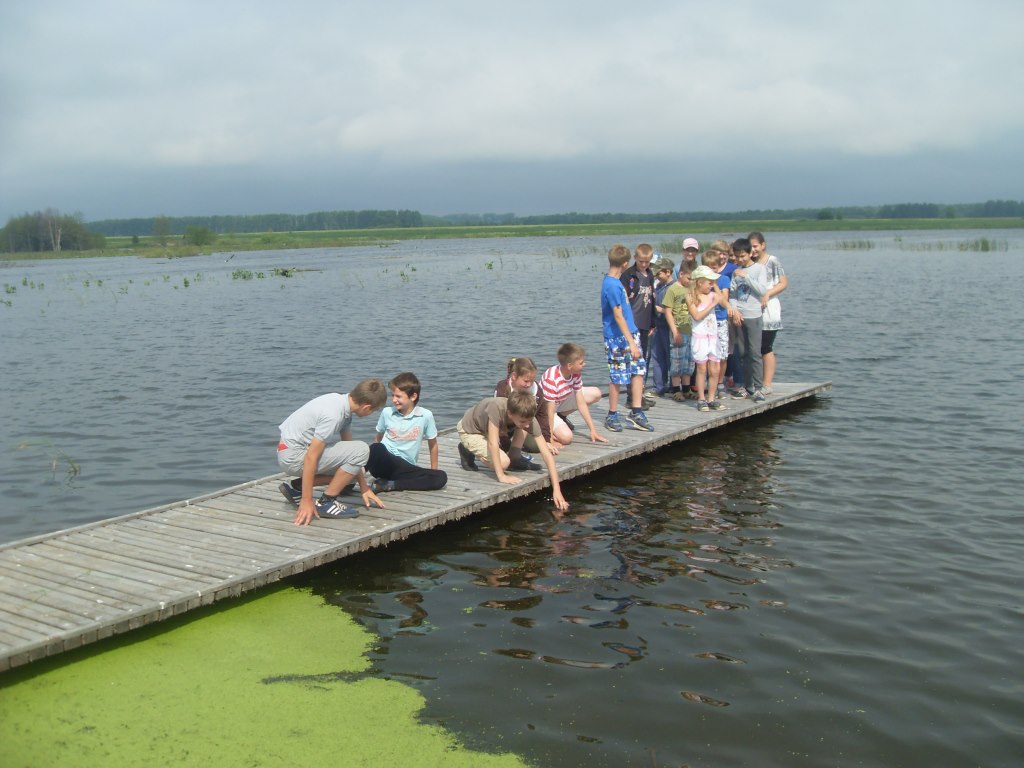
{"points": [[63, 590]]}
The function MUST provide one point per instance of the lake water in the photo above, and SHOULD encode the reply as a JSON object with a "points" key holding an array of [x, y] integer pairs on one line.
{"points": [[838, 584]]}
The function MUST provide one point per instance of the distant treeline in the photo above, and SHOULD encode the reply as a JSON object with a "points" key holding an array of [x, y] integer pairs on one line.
{"points": [[263, 222], [371, 219], [990, 209]]}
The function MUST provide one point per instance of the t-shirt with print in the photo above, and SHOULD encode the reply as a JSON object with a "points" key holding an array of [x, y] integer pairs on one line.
{"points": [[404, 434]]}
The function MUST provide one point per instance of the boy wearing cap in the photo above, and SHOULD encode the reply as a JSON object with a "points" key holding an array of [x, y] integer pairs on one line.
{"points": [[690, 249], [749, 284], [626, 363], [316, 445]]}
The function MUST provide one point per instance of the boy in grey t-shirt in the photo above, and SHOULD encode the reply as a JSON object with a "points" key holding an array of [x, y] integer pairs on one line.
{"points": [[749, 282], [316, 445]]}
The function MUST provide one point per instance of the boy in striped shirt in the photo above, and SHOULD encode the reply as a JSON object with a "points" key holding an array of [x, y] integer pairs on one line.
{"points": [[563, 390]]}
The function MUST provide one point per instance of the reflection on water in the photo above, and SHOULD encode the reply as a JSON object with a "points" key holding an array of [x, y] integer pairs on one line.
{"points": [[639, 587], [837, 584]]}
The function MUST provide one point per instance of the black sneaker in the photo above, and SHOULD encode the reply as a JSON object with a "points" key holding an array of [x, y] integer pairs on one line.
{"points": [[382, 486], [467, 459], [335, 509], [293, 496]]}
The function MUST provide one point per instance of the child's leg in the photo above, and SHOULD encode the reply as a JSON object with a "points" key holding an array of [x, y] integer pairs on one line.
{"points": [[714, 374], [636, 389], [686, 362], [560, 431], [701, 374], [591, 394]]}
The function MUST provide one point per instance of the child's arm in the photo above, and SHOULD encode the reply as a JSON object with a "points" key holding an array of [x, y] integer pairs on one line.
{"points": [[494, 453], [677, 337], [696, 313], [549, 462], [432, 446], [307, 509], [378, 437], [620, 320], [549, 411], [584, 409], [775, 290]]}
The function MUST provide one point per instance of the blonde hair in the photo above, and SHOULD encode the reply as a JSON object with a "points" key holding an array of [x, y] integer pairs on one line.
{"points": [[618, 256], [644, 249], [520, 366], [570, 353]]}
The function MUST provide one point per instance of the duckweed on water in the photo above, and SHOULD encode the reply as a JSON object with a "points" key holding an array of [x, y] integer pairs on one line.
{"points": [[278, 679]]}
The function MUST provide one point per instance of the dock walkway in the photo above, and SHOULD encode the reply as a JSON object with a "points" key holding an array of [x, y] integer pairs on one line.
{"points": [[63, 590]]}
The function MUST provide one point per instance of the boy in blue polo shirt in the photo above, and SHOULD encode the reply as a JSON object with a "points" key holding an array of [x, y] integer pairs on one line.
{"points": [[626, 363], [401, 430]]}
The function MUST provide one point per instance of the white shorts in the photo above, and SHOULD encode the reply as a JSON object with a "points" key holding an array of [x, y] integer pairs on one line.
{"points": [[705, 348]]}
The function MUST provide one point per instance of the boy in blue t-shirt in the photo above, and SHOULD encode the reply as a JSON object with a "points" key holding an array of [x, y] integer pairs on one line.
{"points": [[626, 363], [401, 430]]}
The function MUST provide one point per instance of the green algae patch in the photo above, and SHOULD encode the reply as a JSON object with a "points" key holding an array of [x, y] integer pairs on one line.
{"points": [[275, 680]]}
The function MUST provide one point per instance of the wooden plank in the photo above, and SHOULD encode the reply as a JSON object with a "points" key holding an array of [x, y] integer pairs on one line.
{"points": [[61, 590]]}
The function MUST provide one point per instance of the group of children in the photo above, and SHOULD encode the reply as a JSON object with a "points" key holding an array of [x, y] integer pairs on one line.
{"points": [[711, 326], [684, 321]]}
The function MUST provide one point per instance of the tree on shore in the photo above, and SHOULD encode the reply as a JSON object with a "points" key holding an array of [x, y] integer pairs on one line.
{"points": [[48, 230]]}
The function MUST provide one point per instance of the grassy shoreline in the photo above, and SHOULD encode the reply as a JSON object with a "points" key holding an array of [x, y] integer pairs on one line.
{"points": [[272, 241]]}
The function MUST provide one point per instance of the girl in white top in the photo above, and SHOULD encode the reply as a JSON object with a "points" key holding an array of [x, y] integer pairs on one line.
{"points": [[704, 296]]}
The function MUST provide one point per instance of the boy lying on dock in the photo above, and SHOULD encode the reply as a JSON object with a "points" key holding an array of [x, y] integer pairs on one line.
{"points": [[316, 445], [480, 431]]}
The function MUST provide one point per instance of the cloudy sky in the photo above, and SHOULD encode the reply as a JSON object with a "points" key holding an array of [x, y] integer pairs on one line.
{"points": [[126, 108]]}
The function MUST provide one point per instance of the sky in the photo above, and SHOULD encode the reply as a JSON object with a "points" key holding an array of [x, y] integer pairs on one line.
{"points": [[139, 108]]}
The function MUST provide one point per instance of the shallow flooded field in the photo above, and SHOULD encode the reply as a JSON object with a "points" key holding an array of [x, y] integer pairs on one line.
{"points": [[834, 585]]}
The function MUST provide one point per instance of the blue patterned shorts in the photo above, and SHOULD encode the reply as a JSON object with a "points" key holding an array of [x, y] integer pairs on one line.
{"points": [[621, 365]]}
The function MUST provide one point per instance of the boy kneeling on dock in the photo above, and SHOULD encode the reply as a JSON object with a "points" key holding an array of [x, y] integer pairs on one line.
{"points": [[480, 430], [316, 445]]}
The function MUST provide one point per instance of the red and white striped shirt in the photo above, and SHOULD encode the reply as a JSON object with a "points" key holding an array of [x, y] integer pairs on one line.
{"points": [[556, 387]]}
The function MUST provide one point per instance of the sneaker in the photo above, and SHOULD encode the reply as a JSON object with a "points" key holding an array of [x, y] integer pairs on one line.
{"points": [[639, 421], [648, 401], [758, 396], [739, 394], [716, 405], [467, 459], [382, 486], [293, 496], [611, 421], [569, 424], [720, 392], [766, 390], [703, 406], [335, 509]]}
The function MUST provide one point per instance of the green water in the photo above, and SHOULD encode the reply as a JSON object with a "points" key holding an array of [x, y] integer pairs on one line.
{"points": [[274, 680]]}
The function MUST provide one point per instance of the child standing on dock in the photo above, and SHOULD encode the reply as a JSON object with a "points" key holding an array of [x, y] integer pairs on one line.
{"points": [[771, 308], [564, 393], [661, 344], [401, 429], [626, 363], [316, 446], [480, 430], [749, 284], [701, 300], [677, 316]]}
